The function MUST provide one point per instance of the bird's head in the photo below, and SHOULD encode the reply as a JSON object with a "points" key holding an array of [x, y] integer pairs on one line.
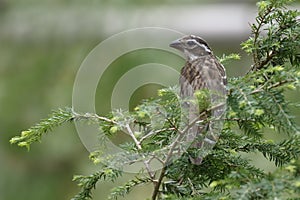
{"points": [[192, 46]]}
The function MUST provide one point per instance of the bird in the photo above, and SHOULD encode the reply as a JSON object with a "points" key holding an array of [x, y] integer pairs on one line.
{"points": [[202, 72]]}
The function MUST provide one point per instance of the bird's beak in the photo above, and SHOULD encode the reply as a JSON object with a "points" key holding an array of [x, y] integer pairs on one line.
{"points": [[176, 44]]}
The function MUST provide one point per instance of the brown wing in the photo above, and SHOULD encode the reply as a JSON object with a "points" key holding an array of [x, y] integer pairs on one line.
{"points": [[203, 73]]}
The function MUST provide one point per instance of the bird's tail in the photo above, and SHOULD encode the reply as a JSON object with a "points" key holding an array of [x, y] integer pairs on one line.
{"points": [[204, 134]]}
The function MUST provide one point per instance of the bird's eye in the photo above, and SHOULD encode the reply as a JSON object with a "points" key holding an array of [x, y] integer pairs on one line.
{"points": [[190, 43]]}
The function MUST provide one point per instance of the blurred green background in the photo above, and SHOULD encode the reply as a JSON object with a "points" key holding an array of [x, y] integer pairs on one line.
{"points": [[42, 45]]}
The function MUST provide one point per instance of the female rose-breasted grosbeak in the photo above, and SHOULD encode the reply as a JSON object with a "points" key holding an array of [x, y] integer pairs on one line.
{"points": [[201, 72]]}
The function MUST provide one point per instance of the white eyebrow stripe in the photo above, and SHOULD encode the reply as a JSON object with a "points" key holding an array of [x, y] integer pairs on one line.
{"points": [[204, 47], [201, 45]]}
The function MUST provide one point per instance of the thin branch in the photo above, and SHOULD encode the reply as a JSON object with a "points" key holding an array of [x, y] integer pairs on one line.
{"points": [[146, 163], [267, 60], [256, 33], [275, 85], [88, 116], [174, 144], [131, 134], [195, 192], [235, 119], [157, 158], [154, 133], [201, 115]]}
